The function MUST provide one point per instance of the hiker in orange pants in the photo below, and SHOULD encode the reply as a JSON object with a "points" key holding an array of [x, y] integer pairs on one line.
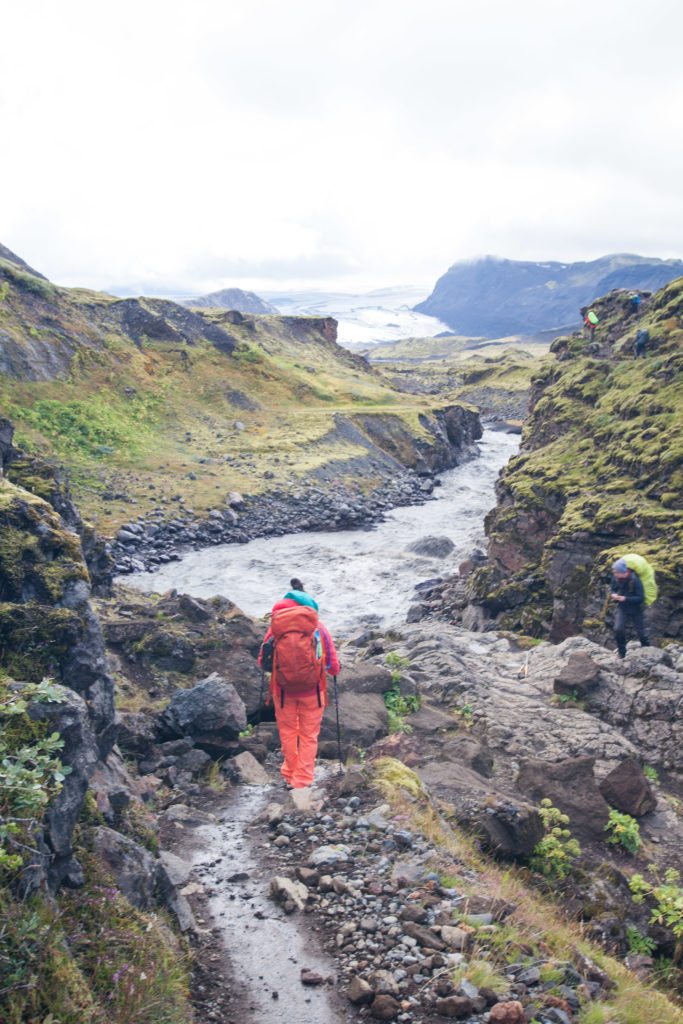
{"points": [[300, 651], [298, 721]]}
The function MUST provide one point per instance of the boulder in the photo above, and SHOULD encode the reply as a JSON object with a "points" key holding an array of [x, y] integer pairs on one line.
{"points": [[510, 828], [71, 720], [194, 761], [363, 718], [578, 677], [432, 547], [571, 786], [170, 651], [137, 732], [194, 610], [112, 786], [130, 865], [212, 706], [627, 789], [364, 677]]}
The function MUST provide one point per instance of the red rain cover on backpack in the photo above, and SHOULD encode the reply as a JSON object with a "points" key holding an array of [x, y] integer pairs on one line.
{"points": [[299, 662]]}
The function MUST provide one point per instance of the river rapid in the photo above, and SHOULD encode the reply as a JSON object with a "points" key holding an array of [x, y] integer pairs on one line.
{"points": [[359, 578]]}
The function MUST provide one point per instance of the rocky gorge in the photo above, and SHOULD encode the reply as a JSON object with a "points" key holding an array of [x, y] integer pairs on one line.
{"points": [[475, 855]]}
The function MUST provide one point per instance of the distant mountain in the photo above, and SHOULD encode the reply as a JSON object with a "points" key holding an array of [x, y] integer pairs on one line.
{"points": [[232, 298], [494, 297]]}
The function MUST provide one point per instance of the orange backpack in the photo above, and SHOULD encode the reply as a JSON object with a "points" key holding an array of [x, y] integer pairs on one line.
{"points": [[298, 659]]}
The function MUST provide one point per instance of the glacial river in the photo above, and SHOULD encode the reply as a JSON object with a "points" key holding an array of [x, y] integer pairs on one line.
{"points": [[359, 577]]}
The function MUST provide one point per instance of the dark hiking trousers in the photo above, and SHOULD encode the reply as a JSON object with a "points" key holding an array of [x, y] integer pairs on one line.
{"points": [[634, 615]]}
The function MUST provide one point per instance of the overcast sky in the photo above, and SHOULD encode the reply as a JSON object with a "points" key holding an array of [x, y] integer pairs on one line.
{"points": [[276, 144]]}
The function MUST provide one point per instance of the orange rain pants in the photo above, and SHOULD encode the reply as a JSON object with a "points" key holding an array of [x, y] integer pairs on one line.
{"points": [[298, 721]]}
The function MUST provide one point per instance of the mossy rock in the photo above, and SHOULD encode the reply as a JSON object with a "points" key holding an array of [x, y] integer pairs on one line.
{"points": [[35, 639], [38, 556]]}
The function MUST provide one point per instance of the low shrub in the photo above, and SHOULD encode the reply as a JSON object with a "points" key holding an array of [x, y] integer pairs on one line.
{"points": [[554, 853]]}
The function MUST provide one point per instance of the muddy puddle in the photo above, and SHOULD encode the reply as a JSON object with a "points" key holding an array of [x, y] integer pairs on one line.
{"points": [[266, 948]]}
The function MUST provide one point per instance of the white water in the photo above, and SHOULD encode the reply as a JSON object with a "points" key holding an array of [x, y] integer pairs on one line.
{"points": [[357, 577]]}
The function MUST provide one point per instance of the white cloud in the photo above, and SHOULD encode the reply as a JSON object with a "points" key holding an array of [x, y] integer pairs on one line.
{"points": [[358, 143]]}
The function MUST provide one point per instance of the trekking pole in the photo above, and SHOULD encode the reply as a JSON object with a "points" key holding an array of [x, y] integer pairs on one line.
{"points": [[260, 700], [336, 707]]}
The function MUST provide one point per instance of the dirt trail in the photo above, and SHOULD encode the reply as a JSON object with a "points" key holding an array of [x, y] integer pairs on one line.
{"points": [[258, 949]]}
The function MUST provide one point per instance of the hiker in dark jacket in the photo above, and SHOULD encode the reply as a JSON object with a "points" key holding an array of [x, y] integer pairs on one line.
{"points": [[627, 592], [642, 338]]}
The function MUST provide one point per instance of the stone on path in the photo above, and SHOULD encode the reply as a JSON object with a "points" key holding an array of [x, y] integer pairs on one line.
{"points": [[307, 799], [286, 890], [455, 938], [329, 855], [383, 983], [359, 992], [249, 771], [309, 977], [457, 1007], [507, 1013], [385, 1008]]}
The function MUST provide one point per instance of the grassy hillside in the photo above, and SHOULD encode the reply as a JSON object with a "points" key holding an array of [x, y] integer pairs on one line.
{"points": [[498, 383], [144, 401]]}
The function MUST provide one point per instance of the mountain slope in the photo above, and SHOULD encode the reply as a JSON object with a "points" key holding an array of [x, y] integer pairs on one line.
{"points": [[497, 297], [148, 403], [600, 472]]}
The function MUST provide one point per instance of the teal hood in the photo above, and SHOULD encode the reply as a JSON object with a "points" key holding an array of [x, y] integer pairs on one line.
{"points": [[301, 597]]}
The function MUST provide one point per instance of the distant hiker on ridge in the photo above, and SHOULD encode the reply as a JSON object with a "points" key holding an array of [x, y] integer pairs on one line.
{"points": [[590, 322], [634, 302], [298, 651], [642, 338], [629, 594]]}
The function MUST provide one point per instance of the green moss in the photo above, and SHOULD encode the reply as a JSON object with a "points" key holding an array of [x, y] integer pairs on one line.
{"points": [[34, 639], [38, 557], [392, 775]]}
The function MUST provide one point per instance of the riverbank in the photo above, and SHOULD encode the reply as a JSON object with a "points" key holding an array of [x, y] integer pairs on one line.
{"points": [[361, 578], [407, 473]]}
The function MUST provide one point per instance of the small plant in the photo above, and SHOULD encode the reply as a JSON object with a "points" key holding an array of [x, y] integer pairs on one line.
{"points": [[668, 901], [639, 943], [396, 704], [31, 773], [213, 777], [623, 831], [246, 733], [553, 855], [466, 715], [569, 700], [397, 664], [651, 773]]}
